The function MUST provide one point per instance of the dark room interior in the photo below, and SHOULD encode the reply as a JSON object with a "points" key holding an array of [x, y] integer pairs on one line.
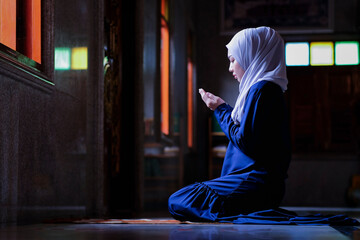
{"points": [[102, 119]]}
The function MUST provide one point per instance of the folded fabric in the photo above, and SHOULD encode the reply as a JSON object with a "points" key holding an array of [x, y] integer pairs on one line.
{"points": [[281, 216]]}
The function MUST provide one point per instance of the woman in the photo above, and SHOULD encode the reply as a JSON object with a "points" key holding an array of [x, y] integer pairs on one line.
{"points": [[258, 155]]}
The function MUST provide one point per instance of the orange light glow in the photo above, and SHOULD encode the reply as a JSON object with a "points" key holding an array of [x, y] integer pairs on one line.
{"points": [[164, 66], [8, 23], [33, 30], [164, 9], [190, 102]]}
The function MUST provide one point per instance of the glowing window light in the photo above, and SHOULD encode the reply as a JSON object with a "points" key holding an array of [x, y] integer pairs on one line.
{"points": [[297, 54], [79, 58], [33, 29], [165, 77], [8, 23], [347, 53], [321, 53], [62, 58]]}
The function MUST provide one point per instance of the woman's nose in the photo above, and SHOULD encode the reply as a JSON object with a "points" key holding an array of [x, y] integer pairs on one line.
{"points": [[230, 68]]}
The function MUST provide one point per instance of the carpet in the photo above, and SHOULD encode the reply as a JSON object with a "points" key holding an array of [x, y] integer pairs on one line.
{"points": [[118, 221]]}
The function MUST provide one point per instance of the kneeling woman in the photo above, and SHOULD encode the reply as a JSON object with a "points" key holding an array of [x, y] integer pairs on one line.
{"points": [[258, 155]]}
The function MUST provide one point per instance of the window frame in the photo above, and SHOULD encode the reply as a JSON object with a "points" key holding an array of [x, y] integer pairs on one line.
{"points": [[27, 70]]}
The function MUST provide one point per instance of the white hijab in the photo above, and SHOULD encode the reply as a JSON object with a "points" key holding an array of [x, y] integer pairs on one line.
{"points": [[260, 52]]}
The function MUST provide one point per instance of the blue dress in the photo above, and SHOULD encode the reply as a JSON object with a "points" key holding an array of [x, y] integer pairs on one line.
{"points": [[255, 165]]}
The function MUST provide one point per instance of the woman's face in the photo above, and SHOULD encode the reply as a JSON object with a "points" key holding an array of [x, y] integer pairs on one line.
{"points": [[236, 69]]}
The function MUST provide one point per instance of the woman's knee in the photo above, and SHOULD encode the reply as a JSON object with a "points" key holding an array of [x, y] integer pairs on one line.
{"points": [[176, 206], [181, 200]]}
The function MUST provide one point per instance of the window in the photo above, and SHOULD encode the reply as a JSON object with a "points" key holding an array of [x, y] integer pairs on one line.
{"points": [[20, 26], [24, 38], [79, 56], [347, 53], [190, 93], [297, 54], [164, 68], [190, 102], [8, 23], [71, 58], [322, 53], [29, 28], [62, 58]]}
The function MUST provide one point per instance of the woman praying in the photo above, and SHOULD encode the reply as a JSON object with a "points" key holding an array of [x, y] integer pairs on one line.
{"points": [[258, 154]]}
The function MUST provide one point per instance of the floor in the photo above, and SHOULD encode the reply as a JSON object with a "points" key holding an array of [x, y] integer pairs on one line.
{"points": [[174, 231], [180, 231]]}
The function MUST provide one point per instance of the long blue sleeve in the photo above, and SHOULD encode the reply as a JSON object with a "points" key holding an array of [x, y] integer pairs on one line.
{"points": [[261, 141]]}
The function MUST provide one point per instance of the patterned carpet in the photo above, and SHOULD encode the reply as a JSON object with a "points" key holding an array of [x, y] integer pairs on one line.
{"points": [[118, 221]]}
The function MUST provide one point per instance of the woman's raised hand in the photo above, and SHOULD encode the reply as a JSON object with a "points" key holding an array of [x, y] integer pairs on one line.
{"points": [[210, 99]]}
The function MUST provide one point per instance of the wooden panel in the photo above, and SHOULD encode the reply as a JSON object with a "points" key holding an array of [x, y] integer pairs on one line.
{"points": [[341, 96], [321, 109]]}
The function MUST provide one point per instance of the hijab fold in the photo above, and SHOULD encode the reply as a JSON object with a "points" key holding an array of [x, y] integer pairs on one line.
{"points": [[260, 52]]}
